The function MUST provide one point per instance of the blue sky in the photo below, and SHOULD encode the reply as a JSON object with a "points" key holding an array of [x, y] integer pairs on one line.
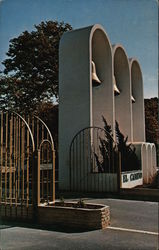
{"points": [[133, 23]]}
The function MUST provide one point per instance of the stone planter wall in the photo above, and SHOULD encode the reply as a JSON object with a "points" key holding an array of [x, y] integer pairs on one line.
{"points": [[75, 217]]}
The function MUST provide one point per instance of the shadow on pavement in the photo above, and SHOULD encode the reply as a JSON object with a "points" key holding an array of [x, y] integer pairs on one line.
{"points": [[58, 228]]}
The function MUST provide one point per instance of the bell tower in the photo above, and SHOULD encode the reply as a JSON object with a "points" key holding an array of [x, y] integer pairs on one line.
{"points": [[85, 88]]}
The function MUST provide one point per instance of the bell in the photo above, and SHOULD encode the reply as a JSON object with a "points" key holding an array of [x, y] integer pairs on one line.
{"points": [[116, 90], [95, 79], [132, 99]]}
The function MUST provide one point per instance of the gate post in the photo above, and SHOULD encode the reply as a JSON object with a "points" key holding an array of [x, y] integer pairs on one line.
{"points": [[36, 179], [119, 172], [53, 162]]}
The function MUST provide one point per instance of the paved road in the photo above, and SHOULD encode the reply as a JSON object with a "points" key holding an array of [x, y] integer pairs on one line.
{"points": [[141, 217]]}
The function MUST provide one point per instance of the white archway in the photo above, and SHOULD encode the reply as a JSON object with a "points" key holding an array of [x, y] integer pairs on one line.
{"points": [[138, 117], [123, 103]]}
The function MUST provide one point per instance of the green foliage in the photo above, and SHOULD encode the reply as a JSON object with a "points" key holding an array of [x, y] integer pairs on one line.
{"points": [[62, 201], [30, 75], [152, 122], [81, 203], [129, 158], [107, 150], [107, 162]]}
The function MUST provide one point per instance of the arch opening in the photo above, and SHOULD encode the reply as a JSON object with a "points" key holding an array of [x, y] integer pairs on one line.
{"points": [[138, 105], [102, 95], [123, 100]]}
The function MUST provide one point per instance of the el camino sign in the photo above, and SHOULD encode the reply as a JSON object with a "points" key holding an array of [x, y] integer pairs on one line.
{"points": [[131, 179]]}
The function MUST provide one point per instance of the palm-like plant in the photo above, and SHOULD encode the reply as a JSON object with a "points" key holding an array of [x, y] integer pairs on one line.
{"points": [[107, 160]]}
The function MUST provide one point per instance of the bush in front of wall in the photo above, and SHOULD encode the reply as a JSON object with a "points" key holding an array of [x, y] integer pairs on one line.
{"points": [[109, 152]]}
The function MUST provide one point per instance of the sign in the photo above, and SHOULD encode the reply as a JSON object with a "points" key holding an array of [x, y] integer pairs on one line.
{"points": [[131, 179]]}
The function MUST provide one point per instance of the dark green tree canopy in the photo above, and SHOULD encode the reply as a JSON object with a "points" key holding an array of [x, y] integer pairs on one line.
{"points": [[30, 73]]}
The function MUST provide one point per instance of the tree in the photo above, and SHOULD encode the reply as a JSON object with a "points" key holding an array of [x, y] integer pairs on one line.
{"points": [[152, 122], [106, 148], [129, 159], [30, 73]]}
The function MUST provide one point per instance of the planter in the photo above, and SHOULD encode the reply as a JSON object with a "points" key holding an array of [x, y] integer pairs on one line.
{"points": [[93, 216]]}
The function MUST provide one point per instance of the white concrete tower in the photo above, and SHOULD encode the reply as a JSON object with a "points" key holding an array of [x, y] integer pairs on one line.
{"points": [[81, 104]]}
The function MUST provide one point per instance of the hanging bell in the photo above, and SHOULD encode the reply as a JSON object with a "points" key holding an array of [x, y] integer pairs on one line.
{"points": [[132, 99], [116, 90], [95, 79]]}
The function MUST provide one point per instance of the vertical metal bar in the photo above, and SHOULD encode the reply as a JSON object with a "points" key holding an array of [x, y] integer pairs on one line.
{"points": [[98, 155], [22, 161], [83, 161], [88, 146], [6, 150], [38, 179], [81, 134], [14, 155], [47, 171], [42, 171], [42, 184], [16, 159], [109, 155], [53, 179], [113, 156], [11, 167], [80, 165], [76, 165], [1, 184], [33, 158], [33, 129], [47, 186], [19, 155], [119, 172], [90, 157], [92, 150], [37, 133], [27, 170], [73, 165]]}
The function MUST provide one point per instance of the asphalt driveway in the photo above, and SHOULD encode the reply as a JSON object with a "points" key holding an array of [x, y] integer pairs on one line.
{"points": [[134, 225]]}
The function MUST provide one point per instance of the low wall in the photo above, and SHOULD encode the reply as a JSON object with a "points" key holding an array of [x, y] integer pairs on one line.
{"points": [[97, 217], [96, 182], [75, 217], [146, 152]]}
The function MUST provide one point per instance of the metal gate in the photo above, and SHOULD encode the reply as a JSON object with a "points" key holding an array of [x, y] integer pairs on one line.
{"points": [[94, 161], [27, 165]]}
